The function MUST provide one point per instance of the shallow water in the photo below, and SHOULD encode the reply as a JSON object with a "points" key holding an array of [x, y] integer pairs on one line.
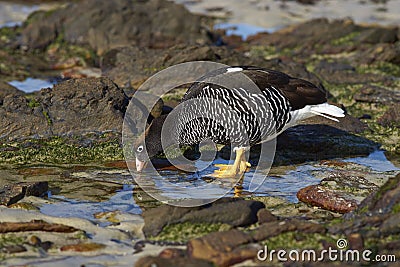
{"points": [[175, 184], [377, 161], [30, 85], [13, 14], [122, 201]]}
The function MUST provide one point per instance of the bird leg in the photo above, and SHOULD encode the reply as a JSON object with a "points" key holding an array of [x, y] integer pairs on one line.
{"points": [[238, 168]]}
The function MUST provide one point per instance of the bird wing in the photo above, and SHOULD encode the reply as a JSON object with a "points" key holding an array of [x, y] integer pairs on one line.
{"points": [[299, 92]]}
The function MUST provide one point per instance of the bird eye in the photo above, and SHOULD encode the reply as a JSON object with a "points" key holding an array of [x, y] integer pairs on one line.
{"points": [[139, 149]]}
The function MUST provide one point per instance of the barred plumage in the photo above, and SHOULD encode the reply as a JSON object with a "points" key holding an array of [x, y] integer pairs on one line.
{"points": [[241, 106]]}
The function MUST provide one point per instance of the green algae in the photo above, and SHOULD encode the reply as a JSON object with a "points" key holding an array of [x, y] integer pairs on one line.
{"points": [[299, 240], [347, 39], [59, 150], [396, 208], [9, 240], [182, 232], [380, 67], [33, 103]]}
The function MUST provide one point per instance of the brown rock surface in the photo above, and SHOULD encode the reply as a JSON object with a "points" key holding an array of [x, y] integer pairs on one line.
{"points": [[319, 196], [223, 248]]}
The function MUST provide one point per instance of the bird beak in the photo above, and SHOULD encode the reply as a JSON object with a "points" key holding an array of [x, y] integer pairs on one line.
{"points": [[140, 165]]}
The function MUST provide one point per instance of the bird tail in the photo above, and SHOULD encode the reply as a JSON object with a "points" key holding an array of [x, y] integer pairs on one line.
{"points": [[328, 111]]}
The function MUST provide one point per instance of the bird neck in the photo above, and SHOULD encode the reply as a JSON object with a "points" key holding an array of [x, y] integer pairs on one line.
{"points": [[166, 131]]}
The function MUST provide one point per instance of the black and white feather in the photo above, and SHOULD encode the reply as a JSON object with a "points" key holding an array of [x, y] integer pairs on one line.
{"points": [[245, 113], [240, 106]]}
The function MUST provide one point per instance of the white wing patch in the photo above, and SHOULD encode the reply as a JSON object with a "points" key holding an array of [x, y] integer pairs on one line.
{"points": [[233, 69]]}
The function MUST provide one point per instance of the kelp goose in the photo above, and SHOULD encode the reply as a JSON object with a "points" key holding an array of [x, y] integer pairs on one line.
{"points": [[279, 102]]}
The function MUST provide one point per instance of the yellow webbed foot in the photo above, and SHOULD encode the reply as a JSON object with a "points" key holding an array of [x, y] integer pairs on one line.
{"points": [[236, 170]]}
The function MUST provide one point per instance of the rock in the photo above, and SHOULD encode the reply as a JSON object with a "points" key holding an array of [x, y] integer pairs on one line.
{"points": [[318, 142], [350, 182], [375, 94], [265, 216], [11, 194], [93, 104], [377, 35], [391, 225], [104, 25], [13, 249], [384, 200], [21, 118], [391, 117], [130, 66], [355, 241], [235, 212], [35, 225], [333, 66], [313, 33], [152, 261], [7, 89], [223, 248], [275, 228], [319, 196], [83, 247], [380, 53], [36, 242], [170, 253], [347, 123]]}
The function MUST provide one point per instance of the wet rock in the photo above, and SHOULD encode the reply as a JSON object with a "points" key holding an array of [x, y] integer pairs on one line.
{"points": [[350, 182], [223, 248], [35, 225], [235, 212], [151, 261], [320, 196], [11, 194], [376, 94], [317, 142], [103, 25], [391, 117]]}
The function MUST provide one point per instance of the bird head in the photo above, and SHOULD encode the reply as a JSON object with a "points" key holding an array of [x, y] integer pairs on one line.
{"points": [[149, 143]]}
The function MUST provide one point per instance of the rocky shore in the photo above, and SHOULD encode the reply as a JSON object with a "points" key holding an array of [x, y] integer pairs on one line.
{"points": [[66, 194]]}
